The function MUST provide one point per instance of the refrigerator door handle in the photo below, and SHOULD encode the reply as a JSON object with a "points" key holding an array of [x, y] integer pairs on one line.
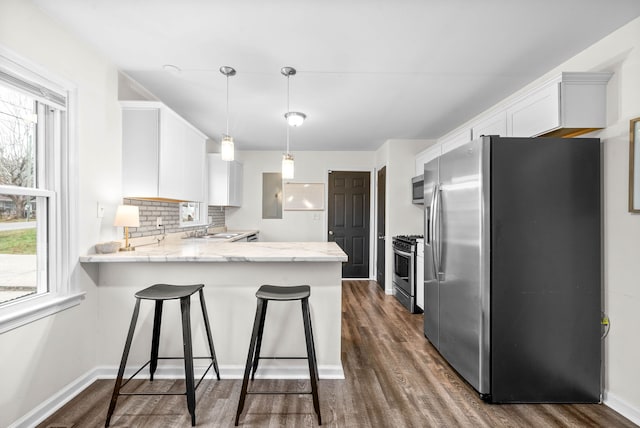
{"points": [[432, 235], [437, 247], [438, 229]]}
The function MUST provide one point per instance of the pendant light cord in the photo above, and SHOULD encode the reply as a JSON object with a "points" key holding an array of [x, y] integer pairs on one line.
{"points": [[227, 105], [288, 110]]}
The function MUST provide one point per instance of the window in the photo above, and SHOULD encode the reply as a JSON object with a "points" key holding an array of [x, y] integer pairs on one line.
{"points": [[35, 196], [191, 214]]}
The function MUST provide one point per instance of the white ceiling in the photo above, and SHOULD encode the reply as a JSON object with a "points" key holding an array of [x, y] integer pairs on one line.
{"points": [[368, 70]]}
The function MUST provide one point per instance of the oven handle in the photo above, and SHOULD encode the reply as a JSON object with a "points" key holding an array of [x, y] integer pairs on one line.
{"points": [[402, 253]]}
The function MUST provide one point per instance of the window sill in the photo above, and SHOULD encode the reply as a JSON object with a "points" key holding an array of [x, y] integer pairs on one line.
{"points": [[24, 312]]}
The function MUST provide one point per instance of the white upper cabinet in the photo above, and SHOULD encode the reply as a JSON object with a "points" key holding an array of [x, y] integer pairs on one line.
{"points": [[225, 181], [425, 156], [568, 105], [455, 139], [496, 124], [163, 156]]}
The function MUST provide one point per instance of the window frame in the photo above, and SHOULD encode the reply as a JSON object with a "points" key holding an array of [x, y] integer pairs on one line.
{"points": [[61, 194]]}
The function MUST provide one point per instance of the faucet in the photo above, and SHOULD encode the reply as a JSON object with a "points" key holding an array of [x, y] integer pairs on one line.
{"points": [[205, 229]]}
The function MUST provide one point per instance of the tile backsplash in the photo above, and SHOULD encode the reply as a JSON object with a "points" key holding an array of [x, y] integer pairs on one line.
{"points": [[170, 213]]}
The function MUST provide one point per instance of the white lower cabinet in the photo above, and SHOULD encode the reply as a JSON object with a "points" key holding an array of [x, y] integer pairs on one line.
{"points": [[163, 156], [225, 181]]}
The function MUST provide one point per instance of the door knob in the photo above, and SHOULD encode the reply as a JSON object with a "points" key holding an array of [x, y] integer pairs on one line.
{"points": [[381, 237], [331, 232]]}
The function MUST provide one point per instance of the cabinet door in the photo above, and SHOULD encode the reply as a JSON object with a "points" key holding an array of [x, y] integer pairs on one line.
{"points": [[140, 134], [420, 274], [536, 114], [235, 184], [194, 166], [455, 140], [172, 141], [426, 156], [218, 180], [493, 125]]}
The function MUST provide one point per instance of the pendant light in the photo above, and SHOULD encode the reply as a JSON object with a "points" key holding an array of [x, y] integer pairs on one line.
{"points": [[292, 119], [226, 146]]}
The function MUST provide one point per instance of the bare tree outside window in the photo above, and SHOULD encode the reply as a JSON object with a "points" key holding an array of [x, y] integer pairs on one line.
{"points": [[17, 149]]}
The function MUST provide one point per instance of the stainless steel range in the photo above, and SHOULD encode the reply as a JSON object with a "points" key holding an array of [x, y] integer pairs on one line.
{"points": [[404, 270]]}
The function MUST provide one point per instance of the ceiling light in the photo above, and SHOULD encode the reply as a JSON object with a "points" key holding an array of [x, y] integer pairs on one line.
{"points": [[287, 158], [295, 118], [173, 69], [226, 145]]}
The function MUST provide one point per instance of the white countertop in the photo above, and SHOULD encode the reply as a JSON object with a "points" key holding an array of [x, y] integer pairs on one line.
{"points": [[175, 249]]}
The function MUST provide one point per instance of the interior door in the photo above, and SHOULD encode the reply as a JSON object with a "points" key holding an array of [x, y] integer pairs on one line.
{"points": [[348, 219], [382, 187]]}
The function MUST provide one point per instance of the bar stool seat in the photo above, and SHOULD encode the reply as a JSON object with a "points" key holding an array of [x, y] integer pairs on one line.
{"points": [[159, 293], [280, 293]]}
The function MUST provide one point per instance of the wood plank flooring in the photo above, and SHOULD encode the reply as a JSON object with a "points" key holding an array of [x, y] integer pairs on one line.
{"points": [[394, 378]]}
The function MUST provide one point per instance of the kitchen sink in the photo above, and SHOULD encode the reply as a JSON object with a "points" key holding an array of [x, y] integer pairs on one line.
{"points": [[223, 235]]}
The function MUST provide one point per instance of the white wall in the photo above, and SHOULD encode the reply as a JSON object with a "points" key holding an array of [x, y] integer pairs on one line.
{"points": [[619, 52], [402, 216], [312, 167], [40, 358]]}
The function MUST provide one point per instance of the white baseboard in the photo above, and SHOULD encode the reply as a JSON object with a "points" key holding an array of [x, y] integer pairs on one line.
{"points": [[268, 371], [625, 409], [56, 401]]}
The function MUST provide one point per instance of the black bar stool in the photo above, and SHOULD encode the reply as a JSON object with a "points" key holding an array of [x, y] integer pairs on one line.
{"points": [[159, 293], [279, 293]]}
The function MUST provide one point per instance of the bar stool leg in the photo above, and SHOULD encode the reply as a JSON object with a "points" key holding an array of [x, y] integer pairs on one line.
{"points": [[256, 355], [311, 356], [209, 338], [188, 357], [250, 356], [155, 340], [123, 362]]}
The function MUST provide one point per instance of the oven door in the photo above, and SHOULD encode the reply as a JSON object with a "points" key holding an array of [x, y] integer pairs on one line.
{"points": [[403, 271]]}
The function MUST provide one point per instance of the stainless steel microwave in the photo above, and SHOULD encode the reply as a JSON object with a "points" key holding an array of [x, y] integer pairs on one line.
{"points": [[417, 189]]}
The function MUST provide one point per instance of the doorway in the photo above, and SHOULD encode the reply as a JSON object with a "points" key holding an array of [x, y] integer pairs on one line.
{"points": [[348, 219], [380, 259]]}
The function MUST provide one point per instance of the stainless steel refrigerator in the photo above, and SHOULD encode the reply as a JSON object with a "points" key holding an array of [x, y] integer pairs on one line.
{"points": [[513, 267]]}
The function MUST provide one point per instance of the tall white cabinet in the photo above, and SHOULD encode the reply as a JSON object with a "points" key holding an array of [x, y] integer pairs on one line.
{"points": [[225, 181], [163, 156]]}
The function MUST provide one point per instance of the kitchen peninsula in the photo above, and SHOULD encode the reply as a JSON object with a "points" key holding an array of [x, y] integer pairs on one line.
{"points": [[231, 273]]}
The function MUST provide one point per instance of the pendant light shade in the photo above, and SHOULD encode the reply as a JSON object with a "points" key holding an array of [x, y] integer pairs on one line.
{"points": [[226, 148], [287, 166], [226, 145]]}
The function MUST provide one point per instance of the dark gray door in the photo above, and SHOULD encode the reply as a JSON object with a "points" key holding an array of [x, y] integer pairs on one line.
{"points": [[348, 220], [382, 187]]}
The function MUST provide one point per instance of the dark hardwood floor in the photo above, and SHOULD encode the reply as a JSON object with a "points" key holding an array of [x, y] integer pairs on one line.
{"points": [[394, 378]]}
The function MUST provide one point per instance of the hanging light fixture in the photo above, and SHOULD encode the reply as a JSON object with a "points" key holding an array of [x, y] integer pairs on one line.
{"points": [[226, 145], [293, 118]]}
